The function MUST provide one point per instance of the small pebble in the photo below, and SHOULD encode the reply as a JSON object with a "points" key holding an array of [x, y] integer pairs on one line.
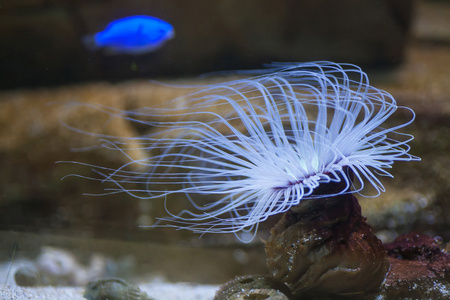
{"points": [[113, 289], [258, 294], [253, 287], [27, 276]]}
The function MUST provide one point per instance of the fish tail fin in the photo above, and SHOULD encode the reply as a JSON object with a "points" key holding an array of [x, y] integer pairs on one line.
{"points": [[89, 42]]}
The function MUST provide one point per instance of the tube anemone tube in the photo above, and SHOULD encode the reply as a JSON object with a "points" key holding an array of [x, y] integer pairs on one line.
{"points": [[326, 247], [244, 150]]}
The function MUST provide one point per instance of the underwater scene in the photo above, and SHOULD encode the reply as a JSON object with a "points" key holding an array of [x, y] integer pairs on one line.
{"points": [[215, 150]]}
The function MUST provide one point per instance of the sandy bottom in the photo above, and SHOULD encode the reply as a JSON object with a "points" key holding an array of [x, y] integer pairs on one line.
{"points": [[158, 291]]}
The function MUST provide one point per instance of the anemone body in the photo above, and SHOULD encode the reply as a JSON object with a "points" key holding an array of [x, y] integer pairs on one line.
{"points": [[258, 146]]}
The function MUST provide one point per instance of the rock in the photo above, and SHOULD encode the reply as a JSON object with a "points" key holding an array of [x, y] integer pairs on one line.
{"points": [[420, 269], [325, 247], [253, 287], [114, 289], [27, 276], [34, 136]]}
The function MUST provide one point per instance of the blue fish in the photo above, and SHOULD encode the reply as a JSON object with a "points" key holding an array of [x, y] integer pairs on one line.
{"points": [[131, 35]]}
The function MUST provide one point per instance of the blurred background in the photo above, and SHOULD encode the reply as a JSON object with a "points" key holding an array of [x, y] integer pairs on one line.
{"points": [[42, 39], [404, 45]]}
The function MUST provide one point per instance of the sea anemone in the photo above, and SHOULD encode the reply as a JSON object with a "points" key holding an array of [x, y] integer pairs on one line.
{"points": [[244, 150]]}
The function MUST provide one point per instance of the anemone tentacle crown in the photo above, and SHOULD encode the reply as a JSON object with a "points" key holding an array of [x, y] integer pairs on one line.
{"points": [[258, 146]]}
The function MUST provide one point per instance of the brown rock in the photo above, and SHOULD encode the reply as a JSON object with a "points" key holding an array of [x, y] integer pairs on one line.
{"points": [[33, 137], [417, 255], [253, 287], [420, 269], [326, 248]]}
